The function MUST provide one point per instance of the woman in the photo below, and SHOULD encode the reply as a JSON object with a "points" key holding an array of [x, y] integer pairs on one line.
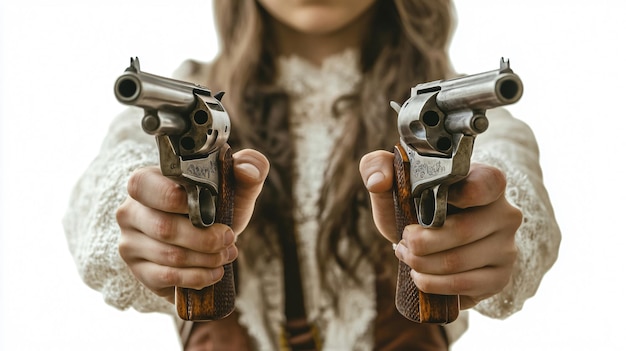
{"points": [[308, 85]]}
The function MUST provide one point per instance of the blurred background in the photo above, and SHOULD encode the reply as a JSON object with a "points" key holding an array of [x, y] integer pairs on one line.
{"points": [[58, 63]]}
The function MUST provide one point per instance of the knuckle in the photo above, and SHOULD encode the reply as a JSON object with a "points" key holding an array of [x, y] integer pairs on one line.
{"points": [[471, 196], [219, 259], [513, 253], [424, 283], [196, 280], [216, 260], [134, 183], [217, 274], [170, 276], [212, 239], [451, 261], [413, 262], [124, 248], [201, 278], [458, 284], [483, 187], [510, 253], [415, 241], [463, 225], [223, 257], [175, 256], [174, 195], [496, 179], [517, 217], [163, 228], [123, 211]]}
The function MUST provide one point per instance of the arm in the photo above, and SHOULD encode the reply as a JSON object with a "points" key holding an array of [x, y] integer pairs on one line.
{"points": [[90, 224], [510, 145]]}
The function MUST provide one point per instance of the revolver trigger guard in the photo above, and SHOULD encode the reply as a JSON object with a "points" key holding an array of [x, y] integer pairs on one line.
{"points": [[202, 205], [432, 205]]}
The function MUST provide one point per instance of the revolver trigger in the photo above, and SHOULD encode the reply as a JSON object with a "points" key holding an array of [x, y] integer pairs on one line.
{"points": [[202, 206]]}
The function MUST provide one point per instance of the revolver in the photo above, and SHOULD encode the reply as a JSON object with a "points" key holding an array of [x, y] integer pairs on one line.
{"points": [[191, 128], [437, 125]]}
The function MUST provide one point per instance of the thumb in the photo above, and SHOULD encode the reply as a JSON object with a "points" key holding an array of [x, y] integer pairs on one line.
{"points": [[251, 169], [377, 173]]}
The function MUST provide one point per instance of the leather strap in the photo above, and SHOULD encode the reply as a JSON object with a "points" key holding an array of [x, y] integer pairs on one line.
{"points": [[298, 334]]}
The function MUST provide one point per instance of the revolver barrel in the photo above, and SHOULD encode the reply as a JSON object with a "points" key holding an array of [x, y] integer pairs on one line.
{"points": [[481, 91], [149, 91]]}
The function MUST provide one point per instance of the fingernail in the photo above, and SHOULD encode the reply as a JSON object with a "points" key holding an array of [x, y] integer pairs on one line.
{"points": [[217, 274], [375, 178], [249, 170], [400, 251], [232, 253], [229, 237]]}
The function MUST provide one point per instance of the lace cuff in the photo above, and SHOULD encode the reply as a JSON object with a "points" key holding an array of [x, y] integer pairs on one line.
{"points": [[92, 230], [536, 240]]}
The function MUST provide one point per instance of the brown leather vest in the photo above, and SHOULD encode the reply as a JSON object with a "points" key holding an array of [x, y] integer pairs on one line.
{"points": [[392, 330]]}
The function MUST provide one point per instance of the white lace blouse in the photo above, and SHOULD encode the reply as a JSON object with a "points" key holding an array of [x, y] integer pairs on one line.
{"points": [[316, 132], [92, 231]]}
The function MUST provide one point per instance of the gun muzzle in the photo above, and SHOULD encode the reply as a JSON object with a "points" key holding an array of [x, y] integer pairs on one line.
{"points": [[144, 90], [480, 92]]}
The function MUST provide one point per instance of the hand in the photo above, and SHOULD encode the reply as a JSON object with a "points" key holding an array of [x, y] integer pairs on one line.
{"points": [[161, 246], [473, 253]]}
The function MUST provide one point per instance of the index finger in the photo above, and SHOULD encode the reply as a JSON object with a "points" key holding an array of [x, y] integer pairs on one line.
{"points": [[483, 185], [149, 187]]}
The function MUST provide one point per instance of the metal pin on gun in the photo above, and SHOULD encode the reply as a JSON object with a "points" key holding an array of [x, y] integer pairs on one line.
{"points": [[437, 126], [191, 129]]}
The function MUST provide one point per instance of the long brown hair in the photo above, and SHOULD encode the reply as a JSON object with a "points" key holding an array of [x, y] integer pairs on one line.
{"points": [[407, 44]]}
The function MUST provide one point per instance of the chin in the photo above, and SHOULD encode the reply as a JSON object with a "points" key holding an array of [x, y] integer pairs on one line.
{"points": [[319, 17]]}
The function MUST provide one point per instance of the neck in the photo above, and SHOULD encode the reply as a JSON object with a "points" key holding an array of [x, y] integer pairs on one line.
{"points": [[315, 47]]}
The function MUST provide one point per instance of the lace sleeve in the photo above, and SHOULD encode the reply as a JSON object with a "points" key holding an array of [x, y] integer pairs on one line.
{"points": [[90, 225], [510, 145]]}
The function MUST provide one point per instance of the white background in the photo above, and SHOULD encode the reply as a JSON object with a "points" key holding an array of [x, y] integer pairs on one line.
{"points": [[59, 61]]}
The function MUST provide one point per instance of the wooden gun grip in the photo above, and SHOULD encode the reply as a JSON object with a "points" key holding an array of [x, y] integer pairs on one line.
{"points": [[410, 301], [218, 300]]}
